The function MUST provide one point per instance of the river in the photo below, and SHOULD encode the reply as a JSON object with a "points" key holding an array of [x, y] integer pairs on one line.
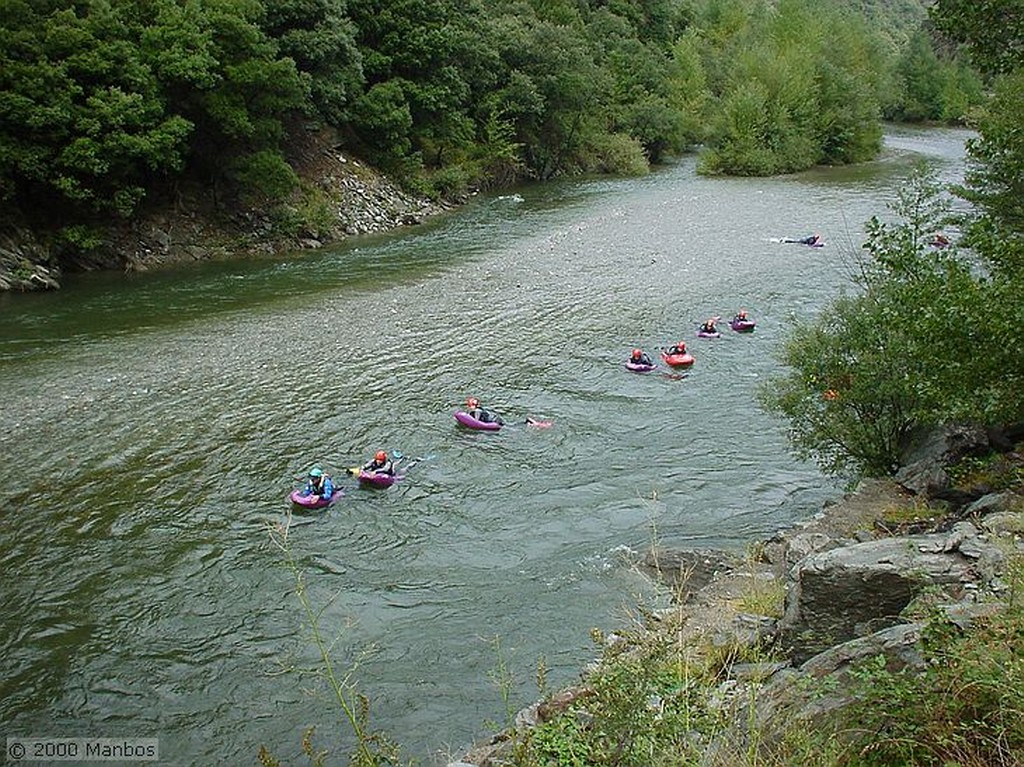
{"points": [[152, 426]]}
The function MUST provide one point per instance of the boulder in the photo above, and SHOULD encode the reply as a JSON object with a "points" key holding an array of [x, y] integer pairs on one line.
{"points": [[788, 701], [992, 503], [849, 592], [687, 571], [929, 451]]}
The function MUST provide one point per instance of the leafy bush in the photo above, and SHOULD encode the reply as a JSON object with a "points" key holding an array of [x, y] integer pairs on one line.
{"points": [[877, 364], [617, 154]]}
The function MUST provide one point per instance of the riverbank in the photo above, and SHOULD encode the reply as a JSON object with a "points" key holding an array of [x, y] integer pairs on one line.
{"points": [[339, 196], [767, 658]]}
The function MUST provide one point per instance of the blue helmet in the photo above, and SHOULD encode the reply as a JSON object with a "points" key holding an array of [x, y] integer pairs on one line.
{"points": [[316, 472]]}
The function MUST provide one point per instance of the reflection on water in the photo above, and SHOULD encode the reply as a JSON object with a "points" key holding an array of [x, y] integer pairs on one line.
{"points": [[153, 426]]}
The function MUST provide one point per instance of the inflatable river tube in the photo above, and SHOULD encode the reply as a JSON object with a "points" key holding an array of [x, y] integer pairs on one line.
{"points": [[470, 422], [377, 480], [314, 501], [638, 367], [678, 360]]}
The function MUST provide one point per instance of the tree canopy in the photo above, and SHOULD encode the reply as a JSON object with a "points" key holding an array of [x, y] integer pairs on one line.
{"points": [[933, 332], [105, 103]]}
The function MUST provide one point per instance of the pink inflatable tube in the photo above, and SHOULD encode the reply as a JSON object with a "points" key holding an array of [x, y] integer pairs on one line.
{"points": [[378, 480], [469, 421], [314, 501]]}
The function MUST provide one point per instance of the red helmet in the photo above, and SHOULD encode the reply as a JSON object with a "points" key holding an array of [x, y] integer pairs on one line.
{"points": [[681, 345], [742, 314], [473, 402], [637, 352], [381, 456]]}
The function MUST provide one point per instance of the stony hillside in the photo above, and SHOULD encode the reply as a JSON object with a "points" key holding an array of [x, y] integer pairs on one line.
{"points": [[339, 196]]}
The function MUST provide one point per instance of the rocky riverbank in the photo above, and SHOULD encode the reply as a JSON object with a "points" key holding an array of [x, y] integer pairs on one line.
{"points": [[339, 196], [850, 583]]}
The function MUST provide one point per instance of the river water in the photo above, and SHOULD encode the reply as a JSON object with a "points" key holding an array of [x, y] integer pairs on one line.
{"points": [[152, 426]]}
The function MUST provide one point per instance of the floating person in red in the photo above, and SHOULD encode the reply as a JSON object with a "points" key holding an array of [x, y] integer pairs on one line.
{"points": [[640, 357], [677, 356], [742, 323], [380, 464], [480, 414]]}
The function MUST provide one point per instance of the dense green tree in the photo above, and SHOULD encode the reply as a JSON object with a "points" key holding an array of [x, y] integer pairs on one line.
{"points": [[934, 87], [81, 118], [689, 94], [425, 48], [797, 90], [639, 82], [992, 30], [320, 38], [921, 73], [103, 102], [995, 176], [253, 88], [894, 355], [993, 183]]}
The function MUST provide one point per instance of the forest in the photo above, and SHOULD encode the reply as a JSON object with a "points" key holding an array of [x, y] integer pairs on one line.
{"points": [[109, 106]]}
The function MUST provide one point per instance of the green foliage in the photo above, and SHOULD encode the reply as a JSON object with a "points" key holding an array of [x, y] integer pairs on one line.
{"points": [[973, 23], [934, 88], [997, 471], [966, 707], [993, 183], [995, 177], [103, 104], [882, 362], [638, 709], [264, 175], [615, 154], [320, 38], [799, 86], [383, 111], [80, 113]]}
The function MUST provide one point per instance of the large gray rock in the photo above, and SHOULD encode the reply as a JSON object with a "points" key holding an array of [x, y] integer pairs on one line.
{"points": [[687, 571], [929, 451], [852, 591], [788, 700], [992, 503]]}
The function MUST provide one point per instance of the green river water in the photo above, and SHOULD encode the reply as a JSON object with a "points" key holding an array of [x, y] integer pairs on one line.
{"points": [[152, 426]]}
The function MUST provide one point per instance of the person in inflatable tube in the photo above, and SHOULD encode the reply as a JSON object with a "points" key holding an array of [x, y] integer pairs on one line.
{"points": [[380, 464], [710, 326], [640, 357], [679, 348], [484, 416], [318, 485]]}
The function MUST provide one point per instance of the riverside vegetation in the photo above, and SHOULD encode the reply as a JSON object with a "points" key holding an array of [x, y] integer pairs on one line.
{"points": [[928, 340], [139, 131]]}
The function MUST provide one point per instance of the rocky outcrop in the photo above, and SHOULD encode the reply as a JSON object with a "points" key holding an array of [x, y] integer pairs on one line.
{"points": [[787, 700], [687, 572], [836, 596], [24, 263], [351, 199], [848, 582]]}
